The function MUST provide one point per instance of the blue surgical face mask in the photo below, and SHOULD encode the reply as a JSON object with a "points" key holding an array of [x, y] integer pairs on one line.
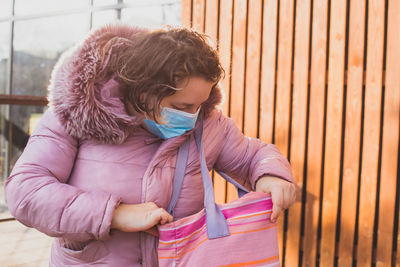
{"points": [[176, 123]]}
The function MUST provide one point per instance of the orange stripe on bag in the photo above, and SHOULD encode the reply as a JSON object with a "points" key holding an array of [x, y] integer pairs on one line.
{"points": [[249, 216], [251, 262], [168, 243]]}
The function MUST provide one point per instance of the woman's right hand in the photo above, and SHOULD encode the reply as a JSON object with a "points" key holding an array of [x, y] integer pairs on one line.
{"points": [[139, 217]]}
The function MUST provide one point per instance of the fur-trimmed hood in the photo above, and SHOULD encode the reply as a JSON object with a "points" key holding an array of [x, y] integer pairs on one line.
{"points": [[91, 108]]}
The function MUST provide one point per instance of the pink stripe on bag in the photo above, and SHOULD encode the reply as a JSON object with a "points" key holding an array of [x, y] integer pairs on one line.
{"points": [[194, 224]]}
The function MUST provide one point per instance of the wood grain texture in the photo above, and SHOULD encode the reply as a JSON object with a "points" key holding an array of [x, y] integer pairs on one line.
{"points": [[186, 13], [352, 136], [284, 76], [238, 71], [371, 131], [225, 49], [268, 63], [211, 29], [283, 91], [390, 140], [299, 126], [238, 61], [225, 53], [333, 135], [253, 68], [198, 17], [315, 130], [260, 82], [211, 20]]}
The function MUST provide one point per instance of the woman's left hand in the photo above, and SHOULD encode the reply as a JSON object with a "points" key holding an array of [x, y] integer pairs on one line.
{"points": [[283, 193]]}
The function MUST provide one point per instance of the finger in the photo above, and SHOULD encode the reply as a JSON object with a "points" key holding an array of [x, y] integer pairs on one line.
{"points": [[277, 202], [286, 196], [276, 210], [156, 216], [165, 217], [153, 231]]}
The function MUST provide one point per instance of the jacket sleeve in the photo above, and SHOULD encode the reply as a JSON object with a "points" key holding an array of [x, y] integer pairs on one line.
{"points": [[38, 195], [247, 159]]}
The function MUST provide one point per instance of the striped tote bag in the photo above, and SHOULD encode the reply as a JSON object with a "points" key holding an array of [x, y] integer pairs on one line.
{"points": [[238, 233]]}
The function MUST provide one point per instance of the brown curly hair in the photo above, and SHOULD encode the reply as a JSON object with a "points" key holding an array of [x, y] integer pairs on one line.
{"points": [[158, 60]]}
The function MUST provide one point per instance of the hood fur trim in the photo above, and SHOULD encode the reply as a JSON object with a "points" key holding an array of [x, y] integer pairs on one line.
{"points": [[80, 99]]}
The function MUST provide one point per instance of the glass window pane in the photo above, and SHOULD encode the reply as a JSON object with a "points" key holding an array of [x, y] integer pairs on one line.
{"points": [[103, 17], [37, 46], [5, 8], [23, 120], [29, 7], [152, 16], [4, 55], [3, 160], [172, 14], [150, 2], [144, 16], [104, 2]]}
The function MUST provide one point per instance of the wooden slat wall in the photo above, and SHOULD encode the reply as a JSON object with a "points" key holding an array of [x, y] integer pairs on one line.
{"points": [[315, 131], [283, 89], [352, 138], [225, 50], [268, 70], [390, 141], [320, 79], [238, 63], [333, 133], [298, 130], [371, 131]]}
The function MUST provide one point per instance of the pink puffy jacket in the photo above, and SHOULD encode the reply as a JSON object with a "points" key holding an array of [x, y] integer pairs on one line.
{"points": [[81, 162]]}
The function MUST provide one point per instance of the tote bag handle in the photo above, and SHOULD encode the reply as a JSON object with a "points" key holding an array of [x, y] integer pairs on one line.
{"points": [[216, 223]]}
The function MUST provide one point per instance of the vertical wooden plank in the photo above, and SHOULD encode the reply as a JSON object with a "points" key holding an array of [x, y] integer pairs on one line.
{"points": [[211, 21], [225, 52], [284, 73], [238, 61], [283, 90], [252, 68], [352, 131], [390, 140], [238, 65], [211, 29], [315, 130], [186, 13], [267, 90], [333, 136], [299, 120], [371, 131], [198, 15], [225, 42]]}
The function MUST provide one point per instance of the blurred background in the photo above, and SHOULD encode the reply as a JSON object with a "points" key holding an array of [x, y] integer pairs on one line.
{"points": [[33, 34]]}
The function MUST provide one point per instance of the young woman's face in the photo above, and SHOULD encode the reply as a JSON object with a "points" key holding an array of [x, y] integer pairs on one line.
{"points": [[194, 91]]}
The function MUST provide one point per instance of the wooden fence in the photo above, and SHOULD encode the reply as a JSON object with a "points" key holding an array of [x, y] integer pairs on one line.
{"points": [[320, 79]]}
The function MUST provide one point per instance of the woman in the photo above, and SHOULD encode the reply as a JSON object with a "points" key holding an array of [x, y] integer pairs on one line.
{"points": [[98, 169]]}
